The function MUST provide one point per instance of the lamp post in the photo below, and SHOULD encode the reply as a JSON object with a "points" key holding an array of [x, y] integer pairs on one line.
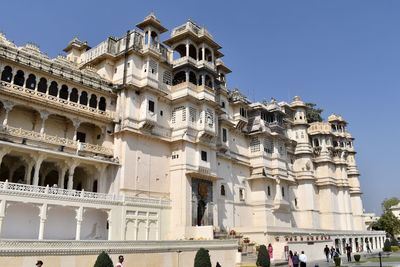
{"points": [[380, 259]]}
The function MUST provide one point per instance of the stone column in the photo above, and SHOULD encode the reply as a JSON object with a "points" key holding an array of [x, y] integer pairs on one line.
{"points": [[2, 212], [203, 52], [187, 49], [43, 218], [3, 151], [71, 171], [38, 163], [76, 124], [278, 193], [28, 171], [101, 181], [8, 106], [61, 177], [79, 219], [43, 116]]}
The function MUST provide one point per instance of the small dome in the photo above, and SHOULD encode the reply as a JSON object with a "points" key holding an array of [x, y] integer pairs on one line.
{"points": [[297, 102]]}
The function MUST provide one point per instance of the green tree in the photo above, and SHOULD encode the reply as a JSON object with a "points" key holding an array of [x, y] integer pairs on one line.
{"points": [[263, 257], [103, 260], [388, 222], [389, 202], [386, 246], [202, 258], [313, 113]]}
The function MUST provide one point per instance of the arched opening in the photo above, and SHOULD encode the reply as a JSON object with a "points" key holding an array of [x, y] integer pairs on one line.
{"points": [[192, 77], [200, 55], [222, 190], [179, 51], [83, 100], [90, 133], [208, 81], [192, 51], [93, 101], [4, 171], [73, 96], [7, 75], [31, 82], [19, 78], [102, 104], [19, 175], [154, 38], [146, 37], [51, 178], [207, 55], [53, 89], [42, 86], [64, 92], [180, 77]]}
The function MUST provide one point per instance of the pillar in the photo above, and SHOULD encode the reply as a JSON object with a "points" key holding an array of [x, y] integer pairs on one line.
{"points": [[278, 194], [2, 213], [28, 171], [38, 163], [101, 181], [43, 116], [8, 106], [203, 52], [79, 219], [43, 218], [76, 124], [71, 171], [61, 177], [187, 49], [3, 151]]}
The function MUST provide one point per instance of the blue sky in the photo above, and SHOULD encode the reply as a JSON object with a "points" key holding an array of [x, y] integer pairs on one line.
{"points": [[342, 55]]}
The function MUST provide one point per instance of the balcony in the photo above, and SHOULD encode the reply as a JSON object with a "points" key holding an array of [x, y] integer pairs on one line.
{"points": [[191, 27], [239, 120], [56, 102], [276, 126], [203, 172], [72, 145]]}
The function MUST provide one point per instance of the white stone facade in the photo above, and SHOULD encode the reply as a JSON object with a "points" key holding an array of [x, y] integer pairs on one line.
{"points": [[138, 140]]}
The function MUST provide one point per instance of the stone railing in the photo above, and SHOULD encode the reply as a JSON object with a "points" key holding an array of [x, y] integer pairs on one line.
{"points": [[319, 128], [55, 101], [79, 196], [66, 247], [191, 26], [55, 140]]}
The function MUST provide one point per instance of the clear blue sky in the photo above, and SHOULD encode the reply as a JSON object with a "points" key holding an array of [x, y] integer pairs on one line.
{"points": [[343, 55]]}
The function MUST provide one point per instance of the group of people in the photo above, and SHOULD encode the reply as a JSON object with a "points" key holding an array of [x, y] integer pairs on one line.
{"points": [[331, 252], [295, 260]]}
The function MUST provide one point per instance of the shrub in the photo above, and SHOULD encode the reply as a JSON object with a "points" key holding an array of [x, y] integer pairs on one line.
{"points": [[202, 258], [394, 248], [103, 260], [386, 246], [357, 257], [337, 260], [263, 257]]}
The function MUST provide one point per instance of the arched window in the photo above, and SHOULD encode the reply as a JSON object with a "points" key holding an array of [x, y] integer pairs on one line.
{"points": [[269, 190], [53, 89], [19, 78], [180, 77], [42, 86], [83, 100], [93, 101], [31, 82], [222, 190], [200, 55], [7, 75], [180, 51], [73, 96], [102, 104], [208, 81], [64, 92], [192, 51], [95, 186], [192, 77], [207, 55], [154, 38]]}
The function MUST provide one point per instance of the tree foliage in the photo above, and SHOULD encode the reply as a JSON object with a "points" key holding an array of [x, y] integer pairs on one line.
{"points": [[388, 222], [386, 246], [389, 202], [313, 113], [202, 258], [263, 257], [103, 260]]}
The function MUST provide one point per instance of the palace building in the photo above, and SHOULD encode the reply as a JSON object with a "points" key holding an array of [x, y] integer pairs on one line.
{"points": [[137, 139]]}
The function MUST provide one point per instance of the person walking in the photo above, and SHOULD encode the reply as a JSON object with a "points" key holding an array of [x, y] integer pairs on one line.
{"points": [[270, 252], [290, 260], [39, 263], [332, 252], [327, 250], [303, 259], [295, 260], [120, 261], [368, 248], [348, 252]]}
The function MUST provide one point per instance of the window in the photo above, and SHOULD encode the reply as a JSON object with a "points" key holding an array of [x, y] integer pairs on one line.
{"points": [[31, 82], [93, 101], [151, 106], [167, 77], [161, 113], [224, 135], [81, 137], [241, 194], [269, 190], [268, 146], [222, 190], [19, 78], [254, 144], [295, 202], [283, 191], [102, 104], [192, 114], [6, 75], [203, 155], [243, 112], [222, 104]]}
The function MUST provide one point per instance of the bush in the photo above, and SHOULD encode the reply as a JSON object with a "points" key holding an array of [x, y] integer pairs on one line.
{"points": [[202, 258], [103, 260], [394, 248], [387, 246], [337, 260], [263, 257], [357, 257]]}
